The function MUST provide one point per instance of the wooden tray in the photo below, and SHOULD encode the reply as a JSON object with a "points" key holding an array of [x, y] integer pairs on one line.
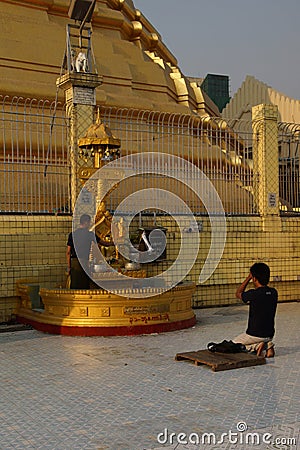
{"points": [[221, 361]]}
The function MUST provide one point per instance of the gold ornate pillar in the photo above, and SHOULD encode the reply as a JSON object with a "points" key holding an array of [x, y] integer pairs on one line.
{"points": [[265, 164], [80, 96]]}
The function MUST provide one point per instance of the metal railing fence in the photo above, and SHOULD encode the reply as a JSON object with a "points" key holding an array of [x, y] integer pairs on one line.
{"points": [[34, 158], [289, 177], [211, 144], [35, 169]]}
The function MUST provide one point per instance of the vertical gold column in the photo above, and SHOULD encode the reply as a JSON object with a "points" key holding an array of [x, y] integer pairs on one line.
{"points": [[80, 95], [265, 164]]}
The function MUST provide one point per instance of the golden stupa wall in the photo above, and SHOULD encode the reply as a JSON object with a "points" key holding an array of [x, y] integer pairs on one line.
{"points": [[137, 68]]}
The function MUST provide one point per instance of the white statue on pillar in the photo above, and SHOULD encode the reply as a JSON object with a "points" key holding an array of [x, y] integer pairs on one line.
{"points": [[81, 63]]}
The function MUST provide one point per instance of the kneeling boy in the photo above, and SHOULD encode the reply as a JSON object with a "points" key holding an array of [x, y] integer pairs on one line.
{"points": [[262, 309]]}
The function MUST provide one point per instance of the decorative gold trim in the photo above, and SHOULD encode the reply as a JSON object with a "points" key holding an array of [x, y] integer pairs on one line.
{"points": [[100, 308]]}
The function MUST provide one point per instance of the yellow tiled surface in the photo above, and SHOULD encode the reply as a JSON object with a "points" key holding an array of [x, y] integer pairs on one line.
{"points": [[246, 243], [33, 248]]}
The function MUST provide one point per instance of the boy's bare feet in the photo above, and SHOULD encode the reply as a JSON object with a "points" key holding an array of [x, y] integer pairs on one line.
{"points": [[270, 353], [260, 349]]}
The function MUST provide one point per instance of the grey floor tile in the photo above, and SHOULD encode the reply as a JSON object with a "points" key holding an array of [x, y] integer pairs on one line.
{"points": [[119, 393]]}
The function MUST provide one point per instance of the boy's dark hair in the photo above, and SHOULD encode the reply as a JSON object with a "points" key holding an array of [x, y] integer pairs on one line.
{"points": [[85, 218], [261, 272]]}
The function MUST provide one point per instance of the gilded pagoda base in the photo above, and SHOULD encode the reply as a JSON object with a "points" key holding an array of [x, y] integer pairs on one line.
{"points": [[101, 313]]}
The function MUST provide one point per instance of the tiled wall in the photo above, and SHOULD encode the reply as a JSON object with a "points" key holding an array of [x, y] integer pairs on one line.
{"points": [[246, 243], [33, 248]]}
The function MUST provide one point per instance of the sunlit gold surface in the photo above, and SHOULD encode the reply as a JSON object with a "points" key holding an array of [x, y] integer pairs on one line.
{"points": [[100, 140], [99, 308]]}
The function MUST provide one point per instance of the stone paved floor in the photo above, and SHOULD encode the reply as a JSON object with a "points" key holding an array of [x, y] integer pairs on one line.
{"points": [[119, 393]]}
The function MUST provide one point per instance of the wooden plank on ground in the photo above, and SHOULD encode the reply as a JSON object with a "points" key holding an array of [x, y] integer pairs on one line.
{"points": [[221, 361]]}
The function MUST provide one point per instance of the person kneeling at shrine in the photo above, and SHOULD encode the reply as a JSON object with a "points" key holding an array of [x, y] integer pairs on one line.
{"points": [[262, 302]]}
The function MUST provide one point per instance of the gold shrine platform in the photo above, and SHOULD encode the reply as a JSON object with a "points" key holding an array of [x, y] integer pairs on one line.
{"points": [[97, 312]]}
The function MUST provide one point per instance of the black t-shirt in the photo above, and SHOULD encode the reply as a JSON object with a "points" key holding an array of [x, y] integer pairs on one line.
{"points": [[262, 308], [83, 239]]}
